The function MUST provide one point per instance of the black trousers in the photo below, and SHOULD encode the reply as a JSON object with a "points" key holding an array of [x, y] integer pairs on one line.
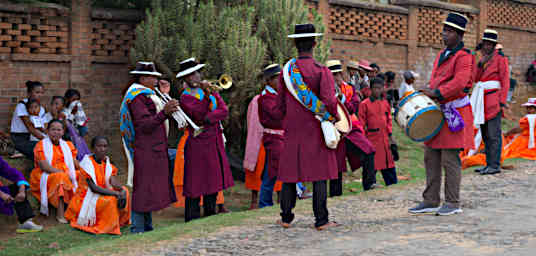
{"points": [[491, 135], [335, 186], [23, 209], [367, 161], [389, 176], [192, 210], [23, 144], [320, 205]]}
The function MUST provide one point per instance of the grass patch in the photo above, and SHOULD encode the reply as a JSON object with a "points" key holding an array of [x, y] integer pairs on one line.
{"points": [[62, 239]]}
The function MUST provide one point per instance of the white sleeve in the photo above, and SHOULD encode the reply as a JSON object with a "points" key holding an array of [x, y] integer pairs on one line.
{"points": [[20, 110]]}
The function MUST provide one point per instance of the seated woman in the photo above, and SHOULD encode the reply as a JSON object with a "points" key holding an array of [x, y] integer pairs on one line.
{"points": [[101, 205], [53, 180], [477, 157], [521, 138], [14, 197]]}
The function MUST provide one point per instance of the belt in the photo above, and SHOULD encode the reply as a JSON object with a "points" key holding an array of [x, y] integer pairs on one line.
{"points": [[274, 131], [373, 130]]}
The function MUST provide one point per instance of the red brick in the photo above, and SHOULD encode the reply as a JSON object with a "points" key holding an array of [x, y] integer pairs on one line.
{"points": [[23, 38], [14, 20], [55, 33], [101, 53], [5, 50], [5, 38], [34, 33], [124, 27], [5, 25], [45, 50], [46, 39], [45, 27], [24, 27], [21, 50], [31, 44], [13, 44], [13, 32]]}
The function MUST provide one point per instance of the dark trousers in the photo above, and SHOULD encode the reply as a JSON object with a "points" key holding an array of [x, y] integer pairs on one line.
{"points": [[23, 209], [192, 210], [335, 186], [389, 176], [141, 222], [320, 206], [491, 135], [367, 161], [434, 161], [23, 144]]}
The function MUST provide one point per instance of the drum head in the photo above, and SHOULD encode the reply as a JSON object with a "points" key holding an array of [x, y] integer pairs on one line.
{"points": [[345, 124], [426, 125]]}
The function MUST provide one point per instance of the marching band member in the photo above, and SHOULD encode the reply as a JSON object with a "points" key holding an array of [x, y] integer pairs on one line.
{"points": [[488, 100], [305, 156], [450, 82], [145, 141], [375, 116], [206, 169]]}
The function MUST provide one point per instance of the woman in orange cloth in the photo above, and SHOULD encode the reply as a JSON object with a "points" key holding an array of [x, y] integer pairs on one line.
{"points": [[477, 157], [54, 178], [522, 143], [101, 205]]}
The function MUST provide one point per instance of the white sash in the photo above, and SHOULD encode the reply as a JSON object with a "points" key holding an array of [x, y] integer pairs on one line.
{"points": [[331, 135], [477, 100], [478, 140], [531, 118], [49, 155], [88, 212]]}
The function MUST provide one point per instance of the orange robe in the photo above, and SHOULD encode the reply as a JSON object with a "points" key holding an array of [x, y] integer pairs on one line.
{"points": [[109, 217], [479, 158], [518, 147], [178, 175], [58, 184], [254, 179]]}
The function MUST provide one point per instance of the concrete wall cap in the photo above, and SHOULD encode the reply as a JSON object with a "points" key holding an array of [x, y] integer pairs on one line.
{"points": [[31, 8], [437, 4], [116, 14], [371, 6]]}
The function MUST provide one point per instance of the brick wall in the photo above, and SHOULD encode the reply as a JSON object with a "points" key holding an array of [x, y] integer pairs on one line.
{"points": [[80, 48]]}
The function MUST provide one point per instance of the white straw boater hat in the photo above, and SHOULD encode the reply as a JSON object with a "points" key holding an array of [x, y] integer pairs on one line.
{"points": [[271, 70], [456, 20], [531, 102], [304, 30], [334, 65], [490, 35], [145, 68], [189, 66]]}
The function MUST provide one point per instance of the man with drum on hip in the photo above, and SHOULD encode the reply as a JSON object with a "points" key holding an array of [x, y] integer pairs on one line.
{"points": [[488, 99], [449, 84]]}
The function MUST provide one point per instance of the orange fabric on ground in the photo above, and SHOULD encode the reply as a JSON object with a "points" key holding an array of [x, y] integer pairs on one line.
{"points": [[519, 145], [479, 159], [178, 175], [109, 217], [58, 184], [254, 179]]}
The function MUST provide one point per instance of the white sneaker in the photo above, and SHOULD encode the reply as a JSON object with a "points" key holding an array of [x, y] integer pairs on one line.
{"points": [[29, 227]]}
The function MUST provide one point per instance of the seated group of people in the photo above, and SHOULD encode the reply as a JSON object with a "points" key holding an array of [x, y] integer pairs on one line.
{"points": [[85, 193], [518, 142]]}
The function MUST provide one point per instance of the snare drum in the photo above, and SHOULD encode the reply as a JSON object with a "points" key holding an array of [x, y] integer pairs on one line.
{"points": [[419, 117]]}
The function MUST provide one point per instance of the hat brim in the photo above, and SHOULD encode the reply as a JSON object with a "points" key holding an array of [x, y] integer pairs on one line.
{"points": [[528, 104], [366, 68], [450, 24], [336, 70], [190, 70], [304, 35], [147, 73], [489, 39], [271, 75]]}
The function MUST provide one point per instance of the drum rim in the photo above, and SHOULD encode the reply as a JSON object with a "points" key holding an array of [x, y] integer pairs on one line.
{"points": [[433, 134], [404, 100]]}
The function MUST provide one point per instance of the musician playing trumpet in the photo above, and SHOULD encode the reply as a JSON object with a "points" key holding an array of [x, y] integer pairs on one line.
{"points": [[206, 169]]}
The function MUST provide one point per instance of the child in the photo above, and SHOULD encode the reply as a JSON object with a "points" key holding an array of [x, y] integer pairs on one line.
{"points": [[56, 110], [406, 87], [33, 108], [375, 116], [521, 142], [74, 111]]}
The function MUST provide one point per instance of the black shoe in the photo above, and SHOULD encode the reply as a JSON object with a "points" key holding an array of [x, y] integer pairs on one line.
{"points": [[480, 170], [490, 171]]}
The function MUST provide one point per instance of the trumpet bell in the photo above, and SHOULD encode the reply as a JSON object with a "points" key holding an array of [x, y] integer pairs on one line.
{"points": [[225, 81]]}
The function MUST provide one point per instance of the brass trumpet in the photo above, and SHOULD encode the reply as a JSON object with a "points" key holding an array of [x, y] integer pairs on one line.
{"points": [[223, 83]]}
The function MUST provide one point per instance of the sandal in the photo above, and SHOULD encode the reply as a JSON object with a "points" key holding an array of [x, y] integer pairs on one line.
{"points": [[283, 224], [330, 224]]}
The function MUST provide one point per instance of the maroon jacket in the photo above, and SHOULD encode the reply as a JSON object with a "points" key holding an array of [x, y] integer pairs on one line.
{"points": [[206, 169], [495, 70], [305, 156], [273, 143], [152, 189]]}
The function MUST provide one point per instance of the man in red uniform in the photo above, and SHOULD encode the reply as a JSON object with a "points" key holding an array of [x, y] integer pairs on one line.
{"points": [[450, 82], [489, 99], [375, 115], [305, 156]]}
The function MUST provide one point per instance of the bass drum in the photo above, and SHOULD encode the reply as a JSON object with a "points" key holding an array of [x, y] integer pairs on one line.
{"points": [[344, 125], [419, 116]]}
